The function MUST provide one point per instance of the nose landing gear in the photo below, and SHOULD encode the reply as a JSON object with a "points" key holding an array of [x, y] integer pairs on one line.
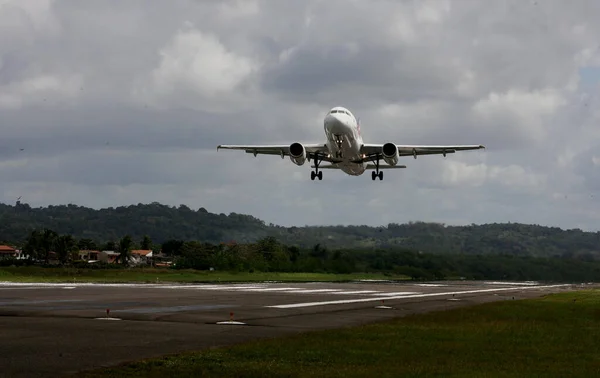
{"points": [[339, 139]]}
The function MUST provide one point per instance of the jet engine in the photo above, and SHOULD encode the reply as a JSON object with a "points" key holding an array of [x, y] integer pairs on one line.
{"points": [[390, 153], [297, 153]]}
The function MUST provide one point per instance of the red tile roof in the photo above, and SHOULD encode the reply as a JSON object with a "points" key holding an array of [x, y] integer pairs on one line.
{"points": [[142, 252], [6, 248]]}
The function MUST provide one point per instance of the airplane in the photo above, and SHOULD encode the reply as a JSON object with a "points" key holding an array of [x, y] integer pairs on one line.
{"points": [[345, 150]]}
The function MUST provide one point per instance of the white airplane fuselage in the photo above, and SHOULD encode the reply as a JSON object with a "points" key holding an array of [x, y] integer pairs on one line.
{"points": [[344, 140]]}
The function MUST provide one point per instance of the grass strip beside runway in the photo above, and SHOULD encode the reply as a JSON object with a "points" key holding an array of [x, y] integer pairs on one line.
{"points": [[158, 275], [553, 336]]}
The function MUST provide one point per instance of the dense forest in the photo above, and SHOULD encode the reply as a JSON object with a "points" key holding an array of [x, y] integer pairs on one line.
{"points": [[163, 223], [270, 255]]}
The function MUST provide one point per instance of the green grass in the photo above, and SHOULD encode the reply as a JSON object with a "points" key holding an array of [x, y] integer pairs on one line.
{"points": [[39, 274], [554, 336]]}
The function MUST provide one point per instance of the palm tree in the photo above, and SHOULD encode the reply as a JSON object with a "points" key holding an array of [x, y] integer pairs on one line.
{"points": [[32, 246], [64, 246], [125, 247], [46, 243]]}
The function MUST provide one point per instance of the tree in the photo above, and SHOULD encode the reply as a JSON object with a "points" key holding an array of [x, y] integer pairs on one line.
{"points": [[46, 243], [125, 247], [64, 246], [86, 244], [172, 247], [32, 247], [146, 243]]}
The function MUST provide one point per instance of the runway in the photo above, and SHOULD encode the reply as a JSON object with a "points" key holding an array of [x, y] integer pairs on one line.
{"points": [[52, 328]]}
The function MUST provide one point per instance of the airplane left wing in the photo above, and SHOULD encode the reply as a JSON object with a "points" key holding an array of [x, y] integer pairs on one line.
{"points": [[414, 150], [281, 150]]}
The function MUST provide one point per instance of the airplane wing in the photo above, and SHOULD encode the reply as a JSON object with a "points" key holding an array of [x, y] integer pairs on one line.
{"points": [[281, 150], [414, 150]]}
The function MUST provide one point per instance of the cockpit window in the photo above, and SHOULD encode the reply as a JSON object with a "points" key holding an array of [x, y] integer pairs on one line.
{"points": [[340, 111]]}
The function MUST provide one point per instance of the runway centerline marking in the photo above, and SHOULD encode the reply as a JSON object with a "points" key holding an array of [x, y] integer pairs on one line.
{"points": [[396, 293], [379, 298]]}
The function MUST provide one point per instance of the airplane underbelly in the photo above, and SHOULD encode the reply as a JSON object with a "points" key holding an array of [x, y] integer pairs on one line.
{"points": [[348, 152], [353, 169]]}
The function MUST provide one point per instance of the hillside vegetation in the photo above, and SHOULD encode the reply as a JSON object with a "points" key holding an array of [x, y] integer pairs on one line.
{"points": [[162, 223]]}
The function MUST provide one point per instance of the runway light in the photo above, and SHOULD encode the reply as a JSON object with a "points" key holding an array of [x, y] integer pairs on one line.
{"points": [[383, 306], [107, 312], [231, 321]]}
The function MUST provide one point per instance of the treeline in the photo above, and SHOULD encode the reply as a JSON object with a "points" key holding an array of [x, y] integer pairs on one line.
{"points": [[270, 255], [163, 223]]}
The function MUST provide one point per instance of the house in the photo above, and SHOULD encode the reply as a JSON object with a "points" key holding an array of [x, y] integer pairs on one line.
{"points": [[109, 257], [141, 256], [161, 260], [8, 252], [89, 255]]}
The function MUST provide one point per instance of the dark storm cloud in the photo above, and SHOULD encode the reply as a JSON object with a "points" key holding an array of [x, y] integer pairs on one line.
{"points": [[125, 102]]}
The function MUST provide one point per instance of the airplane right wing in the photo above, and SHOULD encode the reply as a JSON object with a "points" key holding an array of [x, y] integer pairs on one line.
{"points": [[414, 150]]}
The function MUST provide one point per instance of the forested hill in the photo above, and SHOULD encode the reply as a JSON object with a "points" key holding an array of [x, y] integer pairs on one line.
{"points": [[162, 223]]}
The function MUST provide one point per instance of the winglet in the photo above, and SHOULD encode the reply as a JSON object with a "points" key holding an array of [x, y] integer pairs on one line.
{"points": [[219, 146], [482, 146]]}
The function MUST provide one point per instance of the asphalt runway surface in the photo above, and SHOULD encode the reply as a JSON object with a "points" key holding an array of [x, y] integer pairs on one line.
{"points": [[50, 330]]}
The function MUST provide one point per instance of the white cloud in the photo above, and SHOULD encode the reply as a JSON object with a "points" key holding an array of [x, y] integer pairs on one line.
{"points": [[40, 89], [197, 64], [521, 114]]}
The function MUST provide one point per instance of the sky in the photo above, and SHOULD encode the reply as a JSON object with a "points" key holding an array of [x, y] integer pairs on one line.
{"points": [[108, 103]]}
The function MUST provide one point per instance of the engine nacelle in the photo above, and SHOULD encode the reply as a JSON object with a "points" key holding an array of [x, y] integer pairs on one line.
{"points": [[390, 153], [297, 153]]}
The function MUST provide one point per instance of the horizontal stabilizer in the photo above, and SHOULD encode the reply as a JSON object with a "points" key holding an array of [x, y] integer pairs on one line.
{"points": [[369, 166], [372, 166]]}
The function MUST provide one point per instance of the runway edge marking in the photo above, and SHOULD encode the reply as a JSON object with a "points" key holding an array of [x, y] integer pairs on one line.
{"points": [[348, 301]]}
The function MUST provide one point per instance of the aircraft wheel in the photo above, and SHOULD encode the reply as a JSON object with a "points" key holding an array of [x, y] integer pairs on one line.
{"points": [[373, 175], [380, 175], [320, 175], [313, 175]]}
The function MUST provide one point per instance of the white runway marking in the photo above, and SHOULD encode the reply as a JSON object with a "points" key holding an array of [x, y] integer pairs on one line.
{"points": [[324, 303], [370, 292], [307, 291], [530, 283], [266, 289], [399, 293]]}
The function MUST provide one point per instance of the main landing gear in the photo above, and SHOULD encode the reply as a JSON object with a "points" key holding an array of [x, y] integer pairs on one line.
{"points": [[377, 173], [316, 172]]}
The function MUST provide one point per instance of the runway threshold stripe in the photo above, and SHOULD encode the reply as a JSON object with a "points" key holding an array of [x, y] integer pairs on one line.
{"points": [[379, 298]]}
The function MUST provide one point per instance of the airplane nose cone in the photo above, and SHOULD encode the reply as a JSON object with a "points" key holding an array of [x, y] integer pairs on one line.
{"points": [[335, 125]]}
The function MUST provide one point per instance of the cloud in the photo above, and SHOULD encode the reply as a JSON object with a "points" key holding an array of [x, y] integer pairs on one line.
{"points": [[109, 103], [195, 65]]}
